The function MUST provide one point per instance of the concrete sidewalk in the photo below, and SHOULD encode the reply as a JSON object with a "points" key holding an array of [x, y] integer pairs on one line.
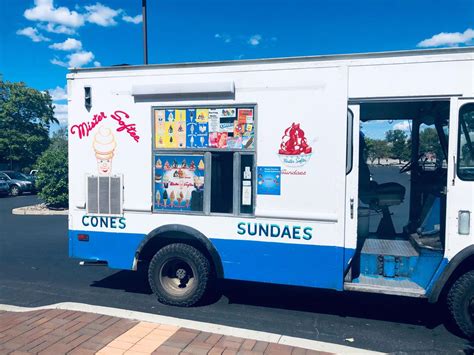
{"points": [[66, 329]]}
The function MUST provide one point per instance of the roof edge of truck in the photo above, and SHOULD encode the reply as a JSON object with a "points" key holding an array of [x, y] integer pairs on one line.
{"points": [[325, 57]]}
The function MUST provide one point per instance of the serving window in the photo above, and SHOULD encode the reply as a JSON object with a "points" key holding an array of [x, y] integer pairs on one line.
{"points": [[204, 160]]}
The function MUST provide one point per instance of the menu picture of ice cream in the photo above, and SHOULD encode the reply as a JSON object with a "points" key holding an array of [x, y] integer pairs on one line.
{"points": [[197, 132], [199, 128], [159, 128], [181, 183], [218, 139]]}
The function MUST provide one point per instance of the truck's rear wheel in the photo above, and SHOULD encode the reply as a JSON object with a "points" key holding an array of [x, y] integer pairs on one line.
{"points": [[460, 303], [179, 275]]}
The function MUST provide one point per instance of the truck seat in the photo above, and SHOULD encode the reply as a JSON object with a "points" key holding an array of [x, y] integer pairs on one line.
{"points": [[389, 194]]}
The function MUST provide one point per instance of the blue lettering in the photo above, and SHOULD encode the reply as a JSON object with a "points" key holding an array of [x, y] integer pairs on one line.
{"points": [[296, 232], [94, 221], [308, 233], [286, 232], [241, 229], [263, 230], [104, 222], [84, 221], [274, 230], [250, 232], [122, 224], [112, 222]]}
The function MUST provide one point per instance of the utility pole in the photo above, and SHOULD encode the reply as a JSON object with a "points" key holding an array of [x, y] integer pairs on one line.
{"points": [[145, 40]]}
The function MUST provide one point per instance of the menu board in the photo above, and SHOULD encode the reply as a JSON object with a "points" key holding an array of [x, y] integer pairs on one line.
{"points": [[179, 182], [199, 128]]}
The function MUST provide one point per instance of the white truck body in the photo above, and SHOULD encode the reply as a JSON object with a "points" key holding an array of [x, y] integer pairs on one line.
{"points": [[301, 229]]}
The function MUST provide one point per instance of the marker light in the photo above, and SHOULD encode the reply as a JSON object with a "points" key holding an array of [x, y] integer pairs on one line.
{"points": [[464, 222], [83, 237]]}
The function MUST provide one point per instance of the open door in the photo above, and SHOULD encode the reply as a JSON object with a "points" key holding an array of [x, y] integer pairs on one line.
{"points": [[352, 187], [459, 227]]}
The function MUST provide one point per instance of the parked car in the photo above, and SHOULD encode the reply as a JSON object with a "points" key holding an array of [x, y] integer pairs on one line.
{"points": [[18, 182], [4, 188]]}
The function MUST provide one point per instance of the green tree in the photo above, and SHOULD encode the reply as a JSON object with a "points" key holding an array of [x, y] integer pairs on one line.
{"points": [[376, 149], [52, 181], [429, 143], [397, 140], [25, 117]]}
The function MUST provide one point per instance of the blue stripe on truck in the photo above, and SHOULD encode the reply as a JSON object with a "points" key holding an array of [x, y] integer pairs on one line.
{"points": [[280, 263], [118, 249]]}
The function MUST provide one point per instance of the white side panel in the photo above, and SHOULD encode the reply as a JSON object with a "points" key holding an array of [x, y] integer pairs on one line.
{"points": [[412, 79], [315, 98]]}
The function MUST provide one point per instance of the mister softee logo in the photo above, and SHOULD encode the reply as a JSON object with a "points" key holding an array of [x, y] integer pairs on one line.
{"points": [[274, 231]]}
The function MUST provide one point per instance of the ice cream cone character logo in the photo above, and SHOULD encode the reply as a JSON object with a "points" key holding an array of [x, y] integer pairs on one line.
{"points": [[104, 147], [294, 149]]}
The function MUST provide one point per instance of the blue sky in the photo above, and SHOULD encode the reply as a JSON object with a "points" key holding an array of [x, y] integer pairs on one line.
{"points": [[110, 32]]}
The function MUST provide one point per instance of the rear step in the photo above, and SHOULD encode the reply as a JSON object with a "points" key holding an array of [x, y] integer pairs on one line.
{"points": [[379, 284]]}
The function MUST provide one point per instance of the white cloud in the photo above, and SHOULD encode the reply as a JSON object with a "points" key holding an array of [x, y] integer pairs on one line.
{"points": [[101, 15], [70, 44], [223, 36], [97, 64], [58, 93], [80, 58], [60, 29], [60, 112], [255, 40], [56, 61], [449, 39], [75, 60], [33, 34], [403, 126], [135, 19], [44, 11]]}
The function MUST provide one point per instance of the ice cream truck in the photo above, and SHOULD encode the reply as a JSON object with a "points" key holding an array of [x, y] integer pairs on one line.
{"points": [[264, 171]]}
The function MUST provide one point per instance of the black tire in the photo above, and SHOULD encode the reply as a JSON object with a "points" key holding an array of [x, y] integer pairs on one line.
{"points": [[460, 302], [15, 190], [179, 275]]}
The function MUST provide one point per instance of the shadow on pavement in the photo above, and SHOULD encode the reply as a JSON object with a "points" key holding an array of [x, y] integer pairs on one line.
{"points": [[411, 311]]}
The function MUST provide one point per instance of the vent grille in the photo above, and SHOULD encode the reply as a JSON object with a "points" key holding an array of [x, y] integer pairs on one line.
{"points": [[104, 194]]}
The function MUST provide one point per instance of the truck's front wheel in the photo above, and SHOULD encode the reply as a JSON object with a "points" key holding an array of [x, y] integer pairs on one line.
{"points": [[179, 275], [460, 302]]}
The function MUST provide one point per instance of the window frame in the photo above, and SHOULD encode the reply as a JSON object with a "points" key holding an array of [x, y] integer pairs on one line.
{"points": [[207, 153], [459, 173], [349, 141]]}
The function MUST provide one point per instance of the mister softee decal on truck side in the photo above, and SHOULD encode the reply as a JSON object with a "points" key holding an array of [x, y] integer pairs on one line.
{"points": [[274, 231], [83, 129], [294, 149], [104, 147]]}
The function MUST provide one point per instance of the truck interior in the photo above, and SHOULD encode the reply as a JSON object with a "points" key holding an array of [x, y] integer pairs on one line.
{"points": [[402, 196]]}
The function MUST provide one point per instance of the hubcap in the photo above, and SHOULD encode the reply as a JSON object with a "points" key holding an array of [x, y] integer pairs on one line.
{"points": [[177, 277]]}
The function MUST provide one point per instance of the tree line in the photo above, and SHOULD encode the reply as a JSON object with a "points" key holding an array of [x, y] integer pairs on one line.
{"points": [[397, 145], [26, 115]]}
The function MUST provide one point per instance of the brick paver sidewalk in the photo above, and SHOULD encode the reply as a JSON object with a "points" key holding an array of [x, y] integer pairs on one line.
{"points": [[57, 331]]}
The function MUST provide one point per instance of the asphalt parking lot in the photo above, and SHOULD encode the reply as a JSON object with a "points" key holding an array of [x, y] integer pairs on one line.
{"points": [[35, 270]]}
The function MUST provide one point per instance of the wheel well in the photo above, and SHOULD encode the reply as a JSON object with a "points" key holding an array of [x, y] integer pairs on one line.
{"points": [[465, 266], [459, 265], [157, 240]]}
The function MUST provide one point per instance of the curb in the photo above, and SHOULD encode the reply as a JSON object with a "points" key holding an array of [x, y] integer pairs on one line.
{"points": [[30, 211], [201, 326]]}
